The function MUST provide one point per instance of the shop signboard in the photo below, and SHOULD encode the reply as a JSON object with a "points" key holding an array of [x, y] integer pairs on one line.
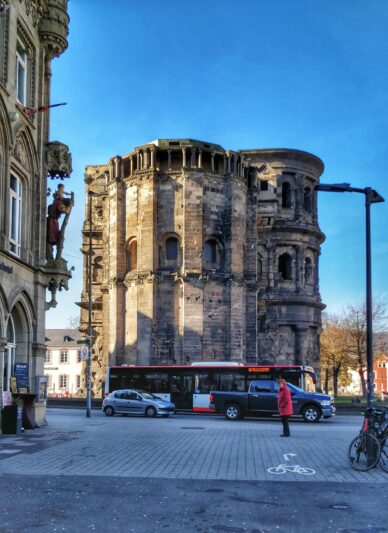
{"points": [[22, 378]]}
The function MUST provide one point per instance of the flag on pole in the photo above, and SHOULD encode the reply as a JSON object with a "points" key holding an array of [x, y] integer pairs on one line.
{"points": [[30, 111]]}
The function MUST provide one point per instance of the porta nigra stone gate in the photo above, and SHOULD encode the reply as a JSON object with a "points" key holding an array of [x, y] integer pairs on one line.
{"points": [[201, 253]]}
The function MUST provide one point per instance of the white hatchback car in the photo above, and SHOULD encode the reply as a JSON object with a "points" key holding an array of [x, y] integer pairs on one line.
{"points": [[131, 401]]}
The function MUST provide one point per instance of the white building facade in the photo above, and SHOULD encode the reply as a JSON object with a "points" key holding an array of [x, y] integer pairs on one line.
{"points": [[62, 365]]}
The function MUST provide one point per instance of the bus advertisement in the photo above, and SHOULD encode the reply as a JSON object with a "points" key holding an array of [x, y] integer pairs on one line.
{"points": [[188, 387]]}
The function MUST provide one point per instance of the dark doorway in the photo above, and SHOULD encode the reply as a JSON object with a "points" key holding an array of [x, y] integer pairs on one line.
{"points": [[182, 389]]}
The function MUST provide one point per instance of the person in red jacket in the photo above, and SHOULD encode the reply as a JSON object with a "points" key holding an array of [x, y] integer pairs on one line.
{"points": [[285, 406]]}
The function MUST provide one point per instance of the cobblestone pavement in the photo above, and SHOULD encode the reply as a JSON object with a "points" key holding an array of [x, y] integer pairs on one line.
{"points": [[184, 447]]}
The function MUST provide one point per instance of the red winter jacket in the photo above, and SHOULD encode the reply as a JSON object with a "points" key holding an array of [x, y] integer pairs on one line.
{"points": [[284, 402]]}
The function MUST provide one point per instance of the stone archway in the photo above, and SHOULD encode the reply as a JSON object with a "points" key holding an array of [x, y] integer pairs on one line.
{"points": [[18, 342]]}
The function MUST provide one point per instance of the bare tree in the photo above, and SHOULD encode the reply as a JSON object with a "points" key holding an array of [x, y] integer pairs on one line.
{"points": [[73, 322], [354, 322], [335, 359]]}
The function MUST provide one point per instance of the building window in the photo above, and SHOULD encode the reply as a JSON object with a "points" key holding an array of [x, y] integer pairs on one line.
{"points": [[308, 270], [264, 185], [285, 267], [286, 194], [78, 381], [47, 356], [307, 197], [21, 74], [210, 251], [64, 356], [132, 256], [63, 381], [15, 213], [78, 356], [172, 249]]}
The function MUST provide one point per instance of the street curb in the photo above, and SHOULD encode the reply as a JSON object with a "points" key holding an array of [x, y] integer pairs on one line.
{"points": [[80, 403]]}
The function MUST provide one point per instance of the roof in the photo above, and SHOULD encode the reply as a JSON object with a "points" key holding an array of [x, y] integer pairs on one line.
{"points": [[57, 337]]}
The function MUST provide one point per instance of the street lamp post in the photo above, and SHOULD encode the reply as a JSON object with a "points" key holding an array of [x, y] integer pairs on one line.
{"points": [[371, 197]]}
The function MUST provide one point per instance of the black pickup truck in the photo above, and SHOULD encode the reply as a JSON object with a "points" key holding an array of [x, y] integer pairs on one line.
{"points": [[261, 399]]}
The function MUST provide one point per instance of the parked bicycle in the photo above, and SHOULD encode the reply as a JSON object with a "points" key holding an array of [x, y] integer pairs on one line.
{"points": [[370, 447]]}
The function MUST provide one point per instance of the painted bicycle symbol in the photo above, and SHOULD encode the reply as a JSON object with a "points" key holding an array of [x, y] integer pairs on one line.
{"points": [[296, 469]]}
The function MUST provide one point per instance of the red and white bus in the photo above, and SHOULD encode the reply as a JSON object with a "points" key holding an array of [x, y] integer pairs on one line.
{"points": [[188, 387]]}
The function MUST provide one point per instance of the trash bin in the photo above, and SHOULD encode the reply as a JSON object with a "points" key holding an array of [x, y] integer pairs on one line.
{"points": [[11, 420]]}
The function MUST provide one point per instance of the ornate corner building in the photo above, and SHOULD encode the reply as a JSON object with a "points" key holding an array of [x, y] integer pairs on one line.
{"points": [[32, 33], [201, 253]]}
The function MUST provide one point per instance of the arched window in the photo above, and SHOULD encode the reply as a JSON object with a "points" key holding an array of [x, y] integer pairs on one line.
{"points": [[308, 270], [307, 197], [286, 194], [172, 249], [210, 251], [285, 266], [132, 255]]}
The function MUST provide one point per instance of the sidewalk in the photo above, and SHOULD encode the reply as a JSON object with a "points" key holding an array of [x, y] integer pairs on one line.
{"points": [[184, 447]]}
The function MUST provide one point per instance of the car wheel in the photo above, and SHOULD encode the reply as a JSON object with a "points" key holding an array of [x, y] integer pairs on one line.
{"points": [[150, 412], [311, 414], [233, 412], [109, 411]]}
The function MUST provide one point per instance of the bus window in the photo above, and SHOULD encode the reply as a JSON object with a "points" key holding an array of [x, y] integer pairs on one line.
{"points": [[156, 382], [204, 383], [231, 382], [117, 381]]}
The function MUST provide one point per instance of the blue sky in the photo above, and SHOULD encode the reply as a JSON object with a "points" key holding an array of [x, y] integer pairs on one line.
{"points": [[310, 75]]}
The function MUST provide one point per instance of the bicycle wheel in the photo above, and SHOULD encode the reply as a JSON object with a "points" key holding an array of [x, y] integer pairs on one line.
{"points": [[364, 452], [383, 461], [277, 470]]}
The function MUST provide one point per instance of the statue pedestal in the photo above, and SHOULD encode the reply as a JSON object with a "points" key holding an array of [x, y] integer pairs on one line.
{"points": [[58, 276]]}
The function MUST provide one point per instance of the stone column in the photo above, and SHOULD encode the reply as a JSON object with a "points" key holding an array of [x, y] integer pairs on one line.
{"points": [[137, 160], [229, 164], [235, 219], [3, 344], [298, 196], [183, 157], [193, 154], [131, 162], [225, 164], [270, 267], [153, 153], [115, 264], [234, 164], [199, 158], [145, 165], [147, 262], [298, 268], [315, 207], [212, 161]]}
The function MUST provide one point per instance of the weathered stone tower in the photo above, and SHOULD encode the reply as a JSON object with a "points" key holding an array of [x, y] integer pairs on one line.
{"points": [[203, 254]]}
